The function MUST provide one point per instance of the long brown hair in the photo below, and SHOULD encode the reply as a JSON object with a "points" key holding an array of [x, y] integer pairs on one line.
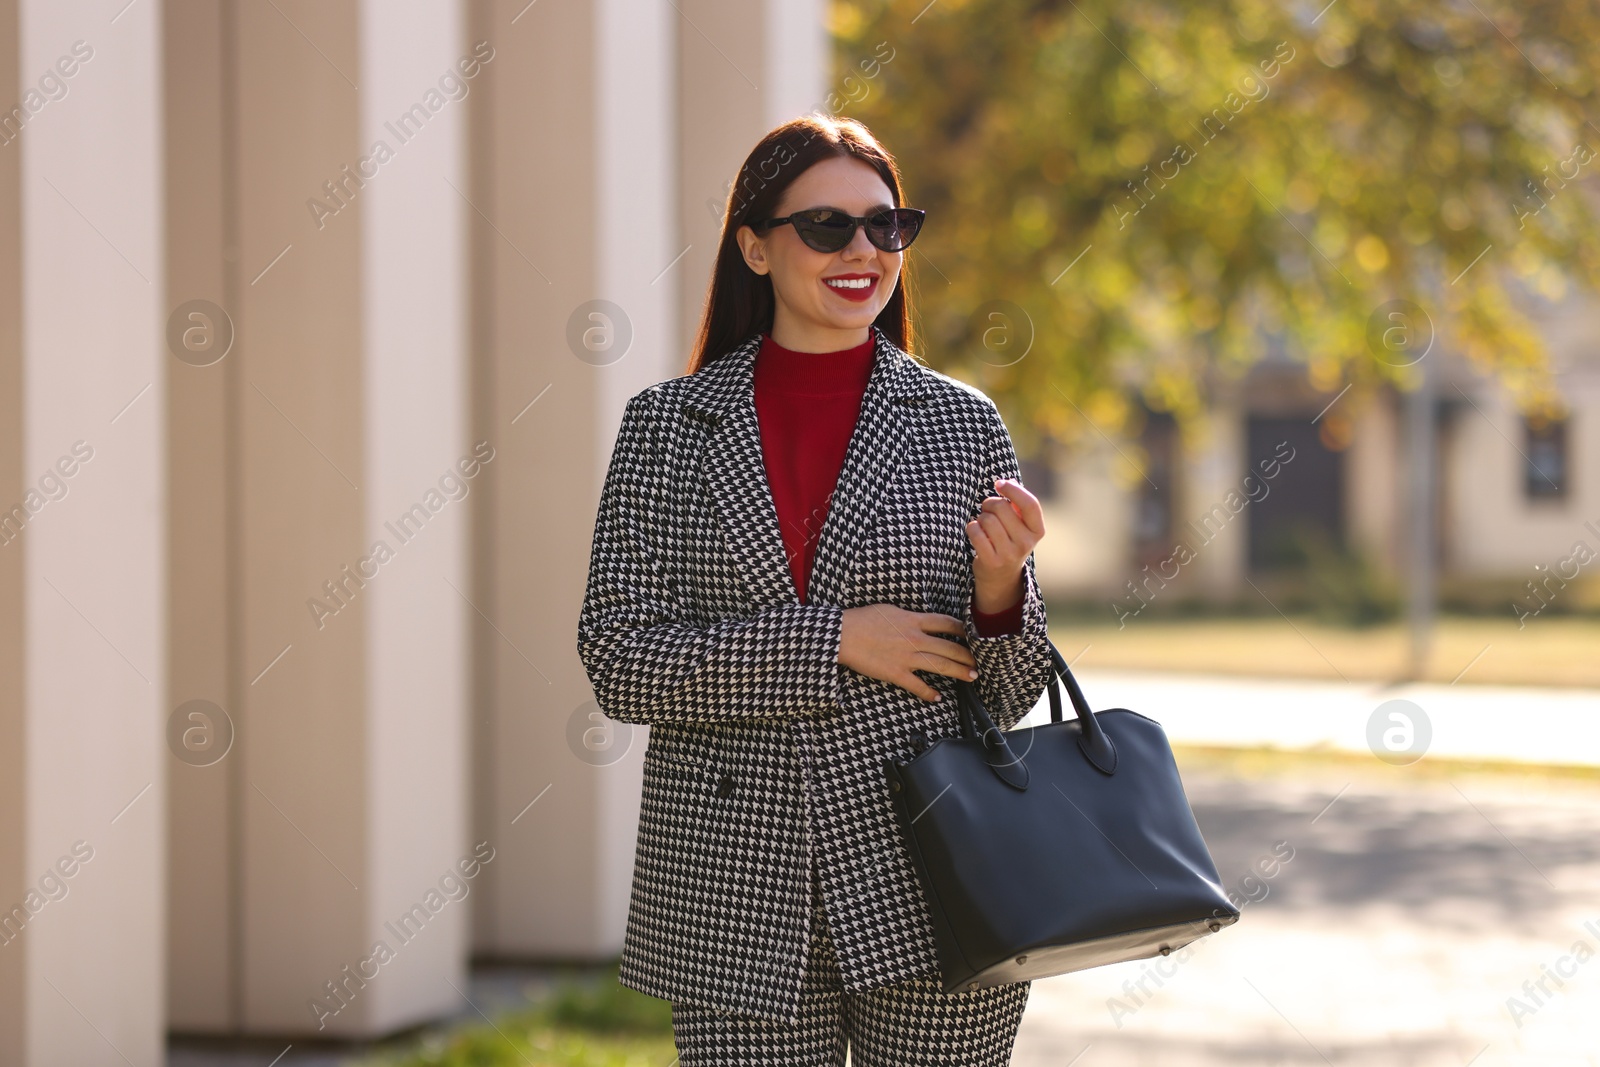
{"points": [[739, 302]]}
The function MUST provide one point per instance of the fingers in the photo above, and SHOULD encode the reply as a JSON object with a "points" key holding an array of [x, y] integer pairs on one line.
{"points": [[936, 655], [1028, 508], [1001, 522], [989, 537], [958, 663], [1016, 512], [993, 548], [936, 665], [1007, 526], [945, 657], [934, 623], [893, 644], [916, 686]]}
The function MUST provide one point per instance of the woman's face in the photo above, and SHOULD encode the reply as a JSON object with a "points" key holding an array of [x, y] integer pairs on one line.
{"points": [[812, 314]]}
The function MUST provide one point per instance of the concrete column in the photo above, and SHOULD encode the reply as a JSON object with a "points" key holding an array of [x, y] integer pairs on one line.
{"points": [[82, 567], [743, 69], [205, 849], [574, 229], [604, 159], [420, 451], [322, 597], [13, 712]]}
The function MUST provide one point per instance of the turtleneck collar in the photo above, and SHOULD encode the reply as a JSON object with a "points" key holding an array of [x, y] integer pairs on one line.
{"points": [[844, 372]]}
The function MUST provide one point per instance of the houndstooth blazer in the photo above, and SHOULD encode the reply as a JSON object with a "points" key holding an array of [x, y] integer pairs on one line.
{"points": [[765, 753]]}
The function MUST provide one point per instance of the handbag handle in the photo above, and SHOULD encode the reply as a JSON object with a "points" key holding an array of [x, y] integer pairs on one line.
{"points": [[977, 725]]}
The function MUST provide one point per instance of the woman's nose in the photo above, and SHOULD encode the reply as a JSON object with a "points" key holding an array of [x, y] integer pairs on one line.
{"points": [[859, 247]]}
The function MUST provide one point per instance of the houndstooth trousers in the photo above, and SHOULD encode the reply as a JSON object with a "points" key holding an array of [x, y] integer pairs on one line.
{"points": [[909, 1024]]}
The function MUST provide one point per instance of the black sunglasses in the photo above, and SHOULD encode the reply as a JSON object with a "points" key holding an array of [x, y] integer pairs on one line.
{"points": [[827, 230]]}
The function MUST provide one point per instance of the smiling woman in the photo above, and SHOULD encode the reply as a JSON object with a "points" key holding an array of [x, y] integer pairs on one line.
{"points": [[839, 192], [832, 254], [801, 545]]}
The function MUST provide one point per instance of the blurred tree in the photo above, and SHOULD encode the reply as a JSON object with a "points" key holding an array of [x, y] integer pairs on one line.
{"points": [[1166, 190]]}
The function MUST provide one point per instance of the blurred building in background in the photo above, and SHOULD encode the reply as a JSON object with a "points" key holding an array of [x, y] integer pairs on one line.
{"points": [[317, 319], [1507, 487]]}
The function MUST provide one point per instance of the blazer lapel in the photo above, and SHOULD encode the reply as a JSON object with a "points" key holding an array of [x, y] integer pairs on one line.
{"points": [[736, 477], [882, 437]]}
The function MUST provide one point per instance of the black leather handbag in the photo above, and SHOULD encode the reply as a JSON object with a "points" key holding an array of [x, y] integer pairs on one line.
{"points": [[1056, 848]]}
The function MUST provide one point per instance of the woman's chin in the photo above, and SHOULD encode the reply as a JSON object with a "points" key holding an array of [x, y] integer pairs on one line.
{"points": [[851, 319]]}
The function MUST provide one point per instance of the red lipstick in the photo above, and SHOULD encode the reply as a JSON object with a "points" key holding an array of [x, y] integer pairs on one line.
{"points": [[859, 293]]}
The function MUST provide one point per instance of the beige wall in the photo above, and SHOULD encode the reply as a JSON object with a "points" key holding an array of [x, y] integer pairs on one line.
{"points": [[607, 129], [1087, 548], [203, 852], [1373, 478], [535, 156], [83, 978], [373, 350], [13, 711], [342, 404], [1209, 470], [742, 69], [1496, 531], [1490, 530]]}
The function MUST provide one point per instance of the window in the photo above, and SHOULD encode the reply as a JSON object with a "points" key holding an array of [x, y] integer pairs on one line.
{"points": [[1544, 471]]}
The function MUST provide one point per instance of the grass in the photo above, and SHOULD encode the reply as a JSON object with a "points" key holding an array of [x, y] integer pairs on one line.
{"points": [[1477, 650], [594, 1023]]}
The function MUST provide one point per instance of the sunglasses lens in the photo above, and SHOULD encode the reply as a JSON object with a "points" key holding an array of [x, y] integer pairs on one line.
{"points": [[893, 231], [825, 231]]}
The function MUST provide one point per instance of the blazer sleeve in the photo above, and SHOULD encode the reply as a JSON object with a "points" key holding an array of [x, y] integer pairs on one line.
{"points": [[1013, 668], [646, 662]]}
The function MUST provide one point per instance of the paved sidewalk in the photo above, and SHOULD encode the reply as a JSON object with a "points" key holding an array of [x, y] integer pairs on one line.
{"points": [[1412, 926], [1523, 724]]}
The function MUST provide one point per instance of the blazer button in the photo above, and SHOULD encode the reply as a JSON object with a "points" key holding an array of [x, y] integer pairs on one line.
{"points": [[725, 786]]}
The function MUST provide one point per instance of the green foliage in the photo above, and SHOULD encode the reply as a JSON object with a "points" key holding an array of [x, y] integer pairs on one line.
{"points": [[1342, 587], [596, 1023], [1166, 189], [608, 1007]]}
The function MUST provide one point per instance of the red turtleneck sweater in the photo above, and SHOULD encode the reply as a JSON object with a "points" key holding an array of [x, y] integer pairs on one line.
{"points": [[807, 404]]}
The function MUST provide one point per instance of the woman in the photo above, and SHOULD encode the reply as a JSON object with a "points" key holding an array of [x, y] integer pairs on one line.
{"points": [[801, 543]]}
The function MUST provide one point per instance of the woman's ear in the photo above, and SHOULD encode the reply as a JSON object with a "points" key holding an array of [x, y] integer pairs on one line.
{"points": [[754, 249]]}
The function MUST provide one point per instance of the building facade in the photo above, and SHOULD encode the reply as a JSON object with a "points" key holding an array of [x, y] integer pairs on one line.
{"points": [[316, 323], [1515, 499]]}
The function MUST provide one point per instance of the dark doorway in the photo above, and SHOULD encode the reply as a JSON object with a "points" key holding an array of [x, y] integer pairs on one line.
{"points": [[1306, 497]]}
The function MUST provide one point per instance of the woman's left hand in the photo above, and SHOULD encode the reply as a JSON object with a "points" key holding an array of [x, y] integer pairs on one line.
{"points": [[1005, 531]]}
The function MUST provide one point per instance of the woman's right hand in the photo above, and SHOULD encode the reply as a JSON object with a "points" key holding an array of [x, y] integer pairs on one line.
{"points": [[887, 642]]}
